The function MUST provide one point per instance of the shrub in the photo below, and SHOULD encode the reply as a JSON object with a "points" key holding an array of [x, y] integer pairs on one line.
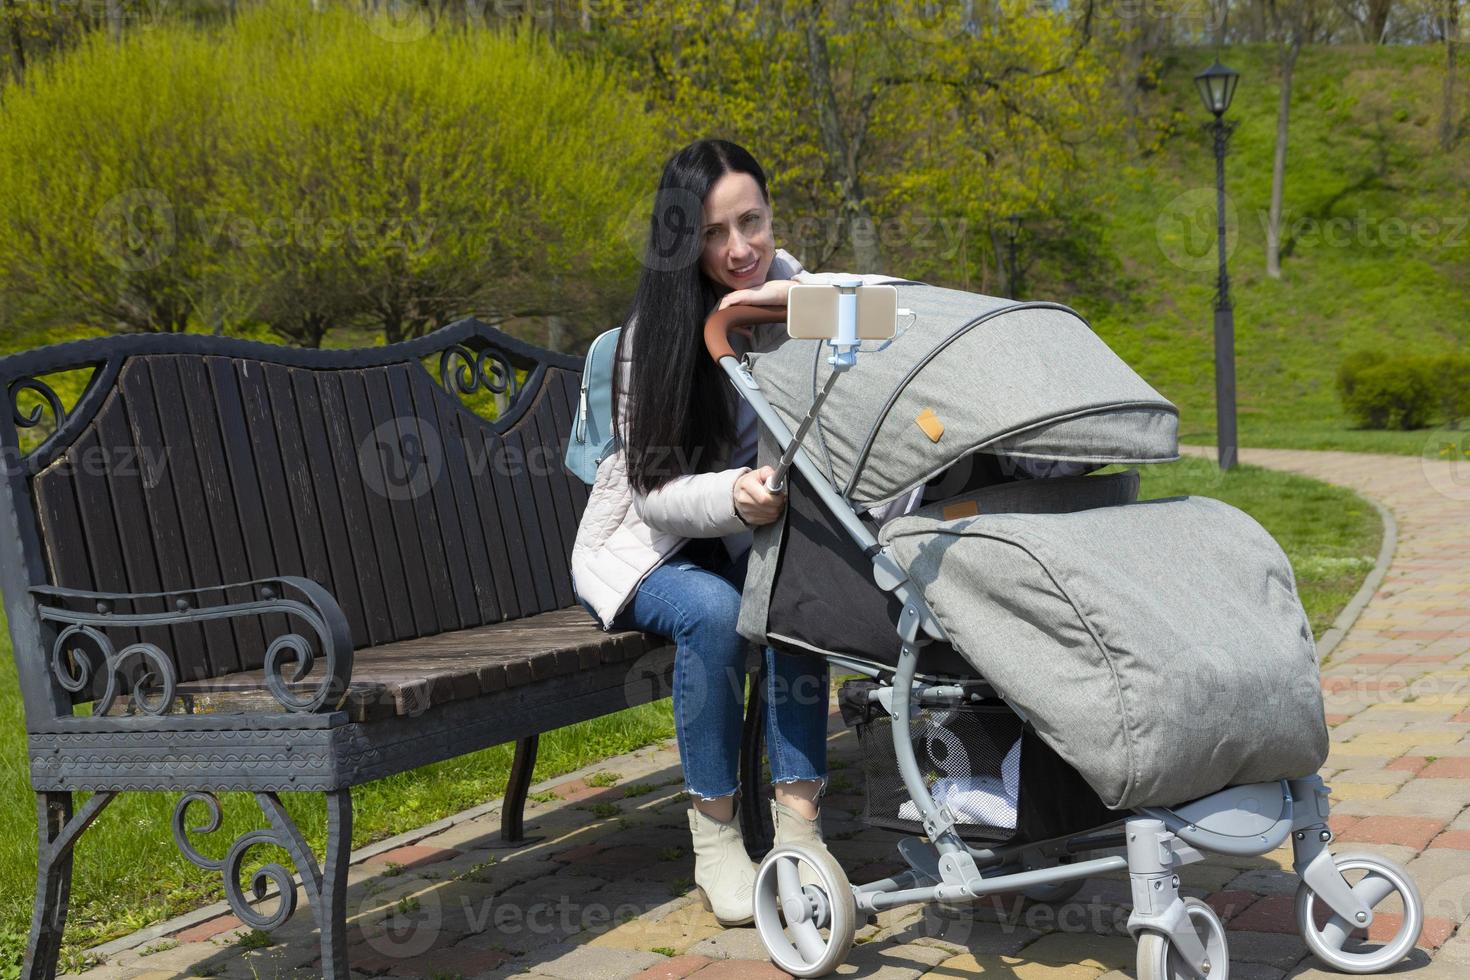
{"points": [[101, 153], [476, 172], [307, 168], [1451, 374], [1353, 365], [1395, 394]]}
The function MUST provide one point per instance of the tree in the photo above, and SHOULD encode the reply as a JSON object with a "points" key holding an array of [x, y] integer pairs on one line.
{"points": [[878, 120], [1294, 23], [103, 160], [842, 142], [295, 171], [1371, 18], [16, 39], [1449, 20], [1291, 48]]}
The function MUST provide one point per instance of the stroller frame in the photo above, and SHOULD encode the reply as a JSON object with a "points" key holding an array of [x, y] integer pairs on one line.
{"points": [[1177, 937]]}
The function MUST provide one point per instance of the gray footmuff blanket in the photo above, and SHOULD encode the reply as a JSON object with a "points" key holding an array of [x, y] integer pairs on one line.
{"points": [[1160, 647]]}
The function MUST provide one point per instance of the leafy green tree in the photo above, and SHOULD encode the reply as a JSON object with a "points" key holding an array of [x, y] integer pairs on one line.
{"points": [[458, 173], [878, 120], [106, 155], [309, 170]]}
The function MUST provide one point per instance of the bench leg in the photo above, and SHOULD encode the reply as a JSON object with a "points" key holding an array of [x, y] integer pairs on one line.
{"points": [[332, 914], [513, 809], [58, 830], [325, 885], [755, 817]]}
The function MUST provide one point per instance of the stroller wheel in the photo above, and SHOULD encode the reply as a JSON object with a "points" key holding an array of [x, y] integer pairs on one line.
{"points": [[1337, 942], [807, 929], [1158, 959]]}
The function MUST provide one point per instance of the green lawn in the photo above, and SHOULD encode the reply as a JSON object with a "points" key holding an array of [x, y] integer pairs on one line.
{"points": [[129, 875]]}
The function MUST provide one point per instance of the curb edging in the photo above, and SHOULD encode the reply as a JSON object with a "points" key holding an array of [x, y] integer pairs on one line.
{"points": [[1350, 612]]}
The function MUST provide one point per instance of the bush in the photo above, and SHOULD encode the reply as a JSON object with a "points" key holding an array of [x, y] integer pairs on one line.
{"points": [[305, 169], [101, 153], [1451, 374], [1394, 394], [1352, 366]]}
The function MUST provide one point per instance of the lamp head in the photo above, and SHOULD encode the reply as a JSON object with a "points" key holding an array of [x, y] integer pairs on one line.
{"points": [[1217, 87]]}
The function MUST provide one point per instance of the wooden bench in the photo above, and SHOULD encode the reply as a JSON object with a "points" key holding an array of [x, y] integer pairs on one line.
{"points": [[268, 569]]}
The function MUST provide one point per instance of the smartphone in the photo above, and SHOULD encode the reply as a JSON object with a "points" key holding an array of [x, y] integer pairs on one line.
{"points": [[811, 312]]}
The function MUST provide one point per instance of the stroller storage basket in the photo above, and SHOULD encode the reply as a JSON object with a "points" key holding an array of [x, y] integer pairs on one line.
{"points": [[979, 759]]}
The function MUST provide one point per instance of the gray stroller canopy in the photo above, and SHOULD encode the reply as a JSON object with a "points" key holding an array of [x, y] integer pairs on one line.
{"points": [[972, 372]]}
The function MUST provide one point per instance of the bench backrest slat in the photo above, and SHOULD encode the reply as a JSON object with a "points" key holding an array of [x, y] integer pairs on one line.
{"points": [[246, 444], [215, 463]]}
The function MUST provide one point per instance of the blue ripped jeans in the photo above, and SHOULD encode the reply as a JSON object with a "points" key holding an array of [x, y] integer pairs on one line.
{"points": [[695, 601]]}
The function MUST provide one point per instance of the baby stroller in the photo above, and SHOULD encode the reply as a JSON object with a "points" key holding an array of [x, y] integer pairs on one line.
{"points": [[1049, 667]]}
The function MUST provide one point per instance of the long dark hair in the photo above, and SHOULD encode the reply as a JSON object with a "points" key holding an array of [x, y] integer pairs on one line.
{"points": [[680, 408]]}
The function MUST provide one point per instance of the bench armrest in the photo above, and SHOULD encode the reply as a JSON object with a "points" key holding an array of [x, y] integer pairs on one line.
{"points": [[83, 615]]}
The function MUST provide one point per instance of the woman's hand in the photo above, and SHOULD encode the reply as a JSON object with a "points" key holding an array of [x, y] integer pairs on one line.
{"points": [[771, 293], [754, 502]]}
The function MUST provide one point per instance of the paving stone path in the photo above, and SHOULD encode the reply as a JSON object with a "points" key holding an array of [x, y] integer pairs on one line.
{"points": [[604, 891]]}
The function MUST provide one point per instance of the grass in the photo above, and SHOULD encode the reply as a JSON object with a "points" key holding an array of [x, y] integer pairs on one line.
{"points": [[128, 875]]}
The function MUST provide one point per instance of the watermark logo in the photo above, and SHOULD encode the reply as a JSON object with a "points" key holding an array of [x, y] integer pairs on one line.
{"points": [[137, 229], [649, 679], [935, 21], [409, 929], [401, 21], [1446, 463], [663, 229], [400, 459], [1186, 229]]}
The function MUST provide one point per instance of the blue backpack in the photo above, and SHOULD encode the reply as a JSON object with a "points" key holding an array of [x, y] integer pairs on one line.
{"points": [[592, 436]]}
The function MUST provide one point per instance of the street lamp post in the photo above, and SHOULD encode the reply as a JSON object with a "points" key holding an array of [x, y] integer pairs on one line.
{"points": [[1217, 87], [1013, 271]]}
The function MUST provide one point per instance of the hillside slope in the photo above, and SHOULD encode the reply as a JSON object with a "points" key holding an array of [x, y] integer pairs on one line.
{"points": [[1376, 233]]}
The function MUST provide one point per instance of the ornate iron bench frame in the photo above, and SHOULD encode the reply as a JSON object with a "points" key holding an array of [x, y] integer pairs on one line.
{"points": [[83, 536]]}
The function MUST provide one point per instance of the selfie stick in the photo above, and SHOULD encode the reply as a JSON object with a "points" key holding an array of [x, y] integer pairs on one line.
{"points": [[844, 356]]}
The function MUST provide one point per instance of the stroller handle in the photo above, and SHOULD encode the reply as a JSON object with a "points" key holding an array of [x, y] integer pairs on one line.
{"points": [[717, 327]]}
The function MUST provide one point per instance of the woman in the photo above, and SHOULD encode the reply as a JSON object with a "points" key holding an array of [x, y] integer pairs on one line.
{"points": [[663, 542]]}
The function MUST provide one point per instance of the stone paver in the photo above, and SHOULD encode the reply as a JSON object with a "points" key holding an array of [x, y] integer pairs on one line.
{"points": [[609, 896]]}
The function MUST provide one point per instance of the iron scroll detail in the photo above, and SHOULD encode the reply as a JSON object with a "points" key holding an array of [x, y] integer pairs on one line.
{"points": [[83, 647], [283, 834], [465, 371], [37, 415]]}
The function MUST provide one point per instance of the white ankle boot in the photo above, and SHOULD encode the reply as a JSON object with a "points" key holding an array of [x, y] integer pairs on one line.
{"points": [[722, 870], [792, 828]]}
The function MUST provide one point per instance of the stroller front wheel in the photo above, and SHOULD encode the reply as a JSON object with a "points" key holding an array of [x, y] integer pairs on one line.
{"points": [[1336, 942], [1158, 959], [807, 929]]}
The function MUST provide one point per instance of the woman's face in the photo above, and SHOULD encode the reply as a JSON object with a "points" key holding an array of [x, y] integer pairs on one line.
{"points": [[736, 233]]}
